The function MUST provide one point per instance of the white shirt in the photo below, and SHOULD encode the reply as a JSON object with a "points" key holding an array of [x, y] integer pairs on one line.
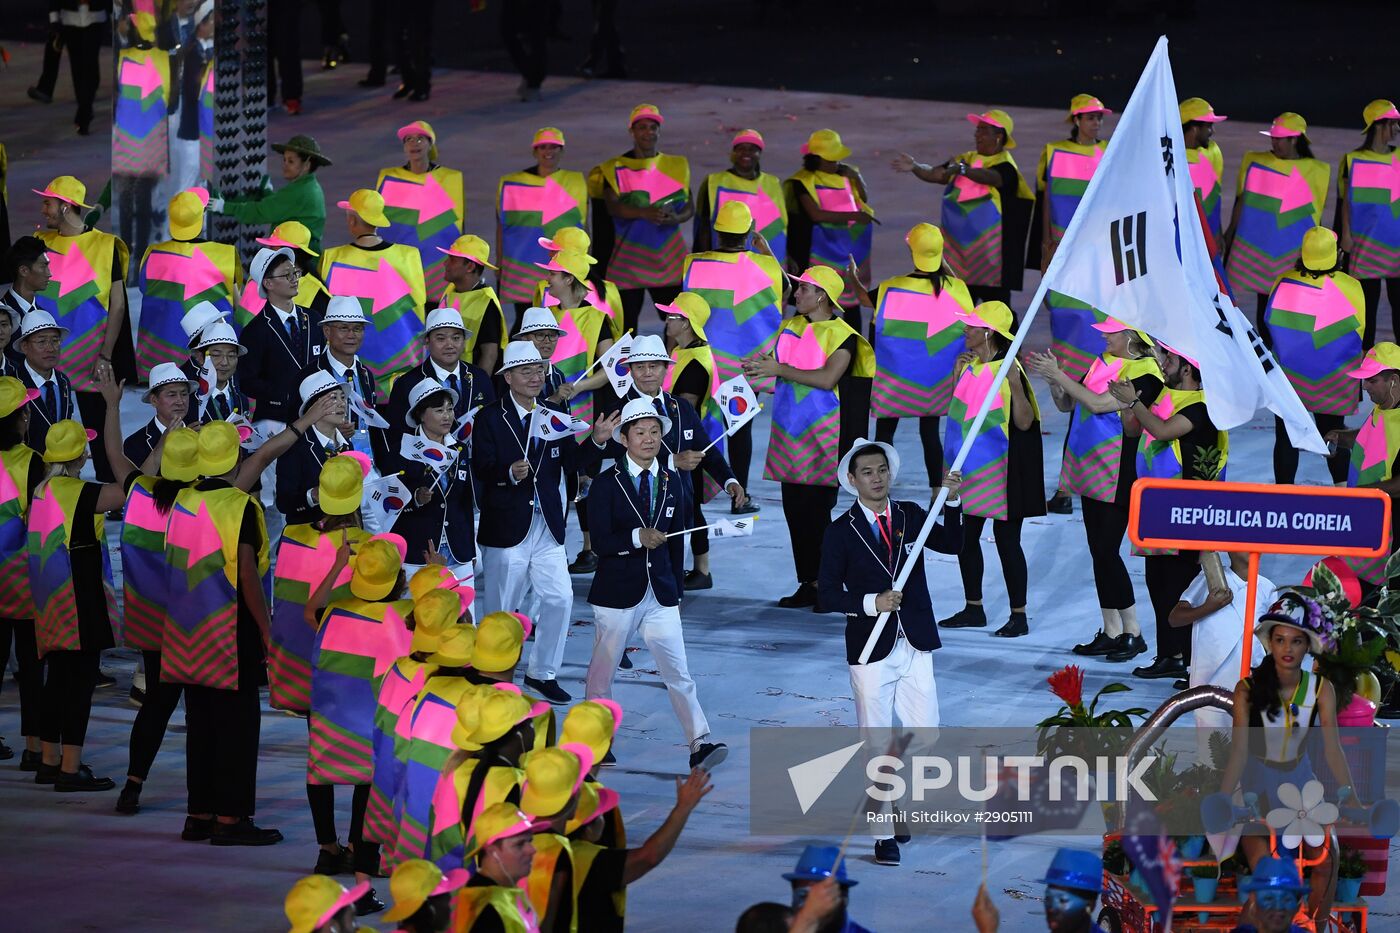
{"points": [[520, 414], [634, 470], [284, 316], [40, 381], [443, 374], [84, 15], [671, 460], [868, 603], [339, 369]]}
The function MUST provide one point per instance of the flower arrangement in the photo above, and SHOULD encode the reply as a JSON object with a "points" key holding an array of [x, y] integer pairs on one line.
{"points": [[1356, 641], [1068, 684]]}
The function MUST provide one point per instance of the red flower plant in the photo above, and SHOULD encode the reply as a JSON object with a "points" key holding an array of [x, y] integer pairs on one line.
{"points": [[1068, 684]]}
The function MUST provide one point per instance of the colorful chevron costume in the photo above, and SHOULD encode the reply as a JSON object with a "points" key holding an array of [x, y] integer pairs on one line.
{"points": [[529, 207], [140, 114], [173, 277], [78, 296], [1280, 200], [200, 644], [972, 222], [16, 598], [1370, 184], [918, 336], [1372, 457], [206, 122], [577, 348], [50, 527], [645, 254], [251, 304], [145, 579], [763, 195], [744, 292], [398, 691], [425, 212], [1207, 167], [357, 643], [1061, 178], [431, 721], [985, 469], [806, 429], [1316, 323], [474, 304], [836, 244], [1163, 459], [1094, 445], [450, 836], [389, 284], [511, 904]]}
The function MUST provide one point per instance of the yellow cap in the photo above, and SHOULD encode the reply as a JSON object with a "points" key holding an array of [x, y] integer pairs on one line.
{"points": [[145, 24], [186, 215], [645, 112], [1285, 125], [179, 458], [1084, 103], [313, 900], [1320, 249], [548, 136], [1198, 110], [470, 247], [292, 233], [592, 723], [993, 315], [552, 776], [926, 246], [454, 648], [1379, 110], [428, 578], [499, 712], [218, 448], [692, 307], [734, 217], [999, 119], [571, 261], [499, 638], [499, 821], [374, 570], [369, 205], [66, 441], [1384, 355], [14, 395], [827, 145], [341, 486], [574, 239], [416, 880], [827, 279], [66, 188]]}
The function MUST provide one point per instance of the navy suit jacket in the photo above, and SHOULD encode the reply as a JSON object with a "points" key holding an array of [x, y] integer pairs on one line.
{"points": [[138, 446], [39, 420], [625, 570], [507, 508], [271, 370], [451, 509], [299, 472], [855, 564], [473, 389]]}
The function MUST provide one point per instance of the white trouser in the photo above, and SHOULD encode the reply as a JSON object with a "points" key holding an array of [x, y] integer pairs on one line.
{"points": [[268, 428], [465, 574], [184, 161], [661, 630], [538, 562]]}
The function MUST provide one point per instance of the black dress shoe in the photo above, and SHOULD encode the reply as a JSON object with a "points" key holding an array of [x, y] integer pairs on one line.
{"points": [[1100, 645], [46, 774], [243, 833], [608, 758], [373, 79], [420, 95], [29, 761], [625, 664], [695, 580], [1126, 647], [369, 903], [804, 597], [196, 829], [40, 96], [402, 91], [81, 781], [709, 755], [1182, 684], [6, 753], [1015, 627], [747, 507], [129, 800], [585, 562], [340, 862], [886, 852], [1059, 505], [966, 617], [1161, 668], [549, 689]]}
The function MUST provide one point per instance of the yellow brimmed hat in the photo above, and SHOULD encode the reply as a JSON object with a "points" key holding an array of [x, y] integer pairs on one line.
{"points": [[594, 800], [65, 188], [1384, 355], [374, 570], [1084, 103], [692, 307], [500, 711], [1199, 110], [416, 880], [999, 119], [825, 278], [468, 713], [1319, 251], [179, 458], [455, 644], [751, 137], [734, 217], [500, 821], [552, 777], [341, 487], [548, 136], [470, 247], [290, 234], [428, 578], [14, 395], [218, 448], [926, 246], [570, 261], [67, 440], [993, 315], [499, 638], [826, 144], [368, 206], [315, 899], [645, 112], [1379, 110], [187, 213], [570, 238], [593, 723], [1285, 125]]}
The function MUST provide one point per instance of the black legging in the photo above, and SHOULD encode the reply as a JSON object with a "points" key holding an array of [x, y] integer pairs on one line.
{"points": [[739, 446], [93, 410], [632, 302], [30, 673], [284, 49], [1013, 559], [1105, 524], [525, 34], [807, 510], [1371, 290], [221, 750], [66, 703], [1286, 455], [928, 436], [1168, 576], [322, 800], [415, 45], [148, 731]]}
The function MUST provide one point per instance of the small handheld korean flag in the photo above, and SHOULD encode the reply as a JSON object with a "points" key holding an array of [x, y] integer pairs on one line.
{"points": [[208, 380], [463, 426], [738, 528], [368, 416], [738, 403], [614, 363], [384, 499], [549, 425], [419, 449]]}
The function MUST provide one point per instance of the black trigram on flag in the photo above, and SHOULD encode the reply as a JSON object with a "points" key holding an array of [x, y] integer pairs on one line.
{"points": [[1129, 239]]}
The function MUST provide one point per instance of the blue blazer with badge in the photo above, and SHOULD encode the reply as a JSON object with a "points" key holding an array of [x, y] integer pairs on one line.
{"points": [[507, 508], [473, 390], [450, 510], [270, 372], [856, 563], [40, 418], [615, 511]]}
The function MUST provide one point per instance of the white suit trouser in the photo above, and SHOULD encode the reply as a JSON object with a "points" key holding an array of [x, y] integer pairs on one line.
{"points": [[539, 562], [661, 630]]}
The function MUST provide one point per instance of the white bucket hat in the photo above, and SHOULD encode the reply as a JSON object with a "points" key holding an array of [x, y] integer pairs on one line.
{"points": [[217, 334], [317, 384], [38, 320], [636, 410], [199, 317], [648, 349], [343, 309], [443, 317], [535, 320], [426, 386], [519, 353], [843, 468], [257, 269], [164, 374]]}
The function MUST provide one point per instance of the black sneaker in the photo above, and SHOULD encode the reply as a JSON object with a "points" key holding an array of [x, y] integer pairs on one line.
{"points": [[886, 852], [608, 758], [747, 507], [585, 562], [129, 801], [1059, 505], [46, 774], [369, 903], [549, 689], [1161, 668], [243, 833], [29, 761], [1015, 627], [197, 830], [1099, 646], [804, 597], [81, 781], [1126, 647], [709, 755], [340, 862], [695, 580], [625, 664], [966, 617]]}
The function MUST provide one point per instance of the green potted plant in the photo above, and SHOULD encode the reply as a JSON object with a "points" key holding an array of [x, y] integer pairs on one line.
{"points": [[1086, 731], [1351, 869], [1205, 879]]}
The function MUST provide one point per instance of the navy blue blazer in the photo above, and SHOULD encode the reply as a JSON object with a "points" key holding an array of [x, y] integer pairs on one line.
{"points": [[507, 508], [625, 570], [299, 472], [39, 419], [271, 370], [855, 563], [364, 383], [452, 509], [473, 389], [138, 446]]}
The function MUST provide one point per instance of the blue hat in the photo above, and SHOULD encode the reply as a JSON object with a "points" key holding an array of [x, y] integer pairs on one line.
{"points": [[1075, 869], [815, 865], [1276, 874]]}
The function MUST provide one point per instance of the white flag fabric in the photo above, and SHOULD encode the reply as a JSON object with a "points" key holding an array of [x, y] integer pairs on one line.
{"points": [[359, 407], [384, 498], [1135, 251], [463, 426], [420, 449], [614, 363], [546, 424], [737, 528], [738, 403], [208, 381]]}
